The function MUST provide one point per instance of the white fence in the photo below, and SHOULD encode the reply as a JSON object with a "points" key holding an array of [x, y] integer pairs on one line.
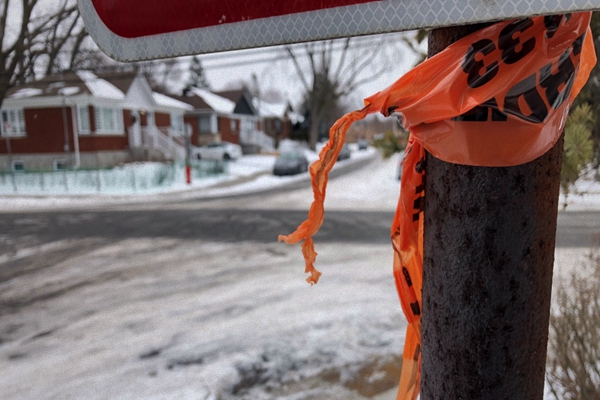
{"points": [[126, 179]]}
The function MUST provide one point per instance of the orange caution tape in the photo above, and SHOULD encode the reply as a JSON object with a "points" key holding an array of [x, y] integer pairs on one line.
{"points": [[498, 97]]}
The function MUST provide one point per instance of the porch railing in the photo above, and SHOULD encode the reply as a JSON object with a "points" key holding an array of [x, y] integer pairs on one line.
{"points": [[161, 139]]}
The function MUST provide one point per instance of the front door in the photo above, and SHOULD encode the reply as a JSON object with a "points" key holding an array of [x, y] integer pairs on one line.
{"points": [[136, 129]]}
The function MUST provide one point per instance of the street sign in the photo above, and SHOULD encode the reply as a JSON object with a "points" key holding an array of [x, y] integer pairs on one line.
{"points": [[141, 29]]}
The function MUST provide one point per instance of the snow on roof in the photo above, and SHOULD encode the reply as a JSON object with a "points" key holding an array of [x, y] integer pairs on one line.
{"points": [[100, 87], [266, 109], [214, 101], [295, 117], [166, 101], [69, 90], [276, 110], [26, 92]]}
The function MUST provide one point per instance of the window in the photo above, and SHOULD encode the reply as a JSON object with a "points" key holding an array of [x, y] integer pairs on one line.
{"points": [[204, 124], [83, 120], [108, 120], [150, 118], [233, 125], [13, 123], [177, 123], [60, 165], [18, 166]]}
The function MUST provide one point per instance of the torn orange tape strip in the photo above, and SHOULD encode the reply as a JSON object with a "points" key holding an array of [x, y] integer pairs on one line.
{"points": [[457, 105]]}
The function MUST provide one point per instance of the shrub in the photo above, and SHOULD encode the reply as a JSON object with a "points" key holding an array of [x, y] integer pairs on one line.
{"points": [[573, 363], [578, 151], [388, 144]]}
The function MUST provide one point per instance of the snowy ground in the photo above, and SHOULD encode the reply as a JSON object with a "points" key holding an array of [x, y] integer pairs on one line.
{"points": [[249, 174], [152, 329], [151, 319]]}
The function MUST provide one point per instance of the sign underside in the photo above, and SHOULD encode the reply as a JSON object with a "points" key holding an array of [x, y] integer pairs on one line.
{"points": [[141, 30]]}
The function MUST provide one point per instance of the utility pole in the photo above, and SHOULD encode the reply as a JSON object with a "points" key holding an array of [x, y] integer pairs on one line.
{"points": [[489, 238]]}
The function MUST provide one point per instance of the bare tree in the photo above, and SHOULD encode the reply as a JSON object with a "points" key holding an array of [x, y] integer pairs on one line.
{"points": [[331, 70], [38, 37], [163, 75]]}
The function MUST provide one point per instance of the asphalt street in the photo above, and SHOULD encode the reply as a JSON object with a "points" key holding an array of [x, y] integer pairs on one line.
{"points": [[223, 224], [80, 232]]}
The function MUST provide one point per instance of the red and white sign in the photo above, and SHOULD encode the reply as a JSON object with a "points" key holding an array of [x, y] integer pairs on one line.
{"points": [[163, 16], [130, 30]]}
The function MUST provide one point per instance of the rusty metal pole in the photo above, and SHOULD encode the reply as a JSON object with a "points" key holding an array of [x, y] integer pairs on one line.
{"points": [[489, 241]]}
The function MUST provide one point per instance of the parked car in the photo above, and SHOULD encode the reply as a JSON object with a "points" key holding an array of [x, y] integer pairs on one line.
{"points": [[218, 151], [344, 153], [290, 163], [363, 144]]}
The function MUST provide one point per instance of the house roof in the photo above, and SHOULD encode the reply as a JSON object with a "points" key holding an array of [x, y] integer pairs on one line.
{"points": [[215, 101], [100, 87], [128, 89], [196, 102], [122, 80], [203, 99], [267, 109], [66, 84], [233, 95], [277, 110], [168, 101], [242, 99]]}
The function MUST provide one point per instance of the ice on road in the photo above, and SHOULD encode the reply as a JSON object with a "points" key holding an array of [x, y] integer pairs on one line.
{"points": [[156, 318], [163, 318], [172, 318]]}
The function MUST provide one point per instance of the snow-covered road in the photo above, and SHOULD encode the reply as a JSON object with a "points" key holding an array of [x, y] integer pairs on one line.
{"points": [[172, 318], [154, 318], [163, 318]]}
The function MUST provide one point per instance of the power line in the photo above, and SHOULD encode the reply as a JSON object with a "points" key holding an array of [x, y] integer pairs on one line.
{"points": [[338, 42], [226, 60], [244, 57]]}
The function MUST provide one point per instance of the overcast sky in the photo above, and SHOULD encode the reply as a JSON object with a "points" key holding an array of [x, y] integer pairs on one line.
{"points": [[275, 72]]}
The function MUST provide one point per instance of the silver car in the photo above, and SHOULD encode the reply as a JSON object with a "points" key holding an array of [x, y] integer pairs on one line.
{"points": [[218, 151]]}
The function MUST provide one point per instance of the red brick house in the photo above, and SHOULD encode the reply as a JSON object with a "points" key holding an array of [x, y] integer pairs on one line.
{"points": [[225, 116], [278, 119], [82, 119]]}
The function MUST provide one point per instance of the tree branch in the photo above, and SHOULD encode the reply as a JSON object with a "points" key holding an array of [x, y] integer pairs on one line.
{"points": [[299, 71]]}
